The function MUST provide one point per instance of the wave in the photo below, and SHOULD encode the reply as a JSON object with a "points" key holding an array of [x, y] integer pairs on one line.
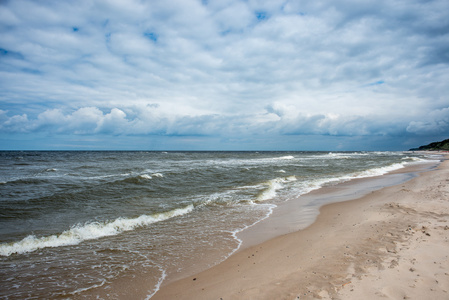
{"points": [[336, 155], [26, 180], [419, 160], [285, 157], [346, 155], [307, 186], [379, 171], [343, 155], [269, 190], [233, 162], [319, 183], [147, 176], [227, 198], [138, 179], [157, 286], [272, 187], [88, 231]]}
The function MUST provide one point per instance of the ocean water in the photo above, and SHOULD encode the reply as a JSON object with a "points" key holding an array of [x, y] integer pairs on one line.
{"points": [[107, 224]]}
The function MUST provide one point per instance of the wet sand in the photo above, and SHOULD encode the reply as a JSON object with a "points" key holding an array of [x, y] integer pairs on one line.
{"points": [[392, 243]]}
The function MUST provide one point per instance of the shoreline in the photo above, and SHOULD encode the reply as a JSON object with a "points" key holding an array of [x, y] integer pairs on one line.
{"points": [[324, 259], [284, 218]]}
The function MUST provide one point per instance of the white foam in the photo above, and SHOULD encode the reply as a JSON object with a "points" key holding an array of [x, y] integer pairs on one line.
{"points": [[379, 171], [336, 155], [80, 290], [285, 157], [234, 233], [316, 184], [274, 185], [419, 160], [149, 177], [158, 284], [89, 231], [270, 192]]}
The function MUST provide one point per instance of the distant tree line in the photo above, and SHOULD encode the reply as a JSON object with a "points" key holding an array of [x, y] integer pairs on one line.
{"points": [[443, 145]]}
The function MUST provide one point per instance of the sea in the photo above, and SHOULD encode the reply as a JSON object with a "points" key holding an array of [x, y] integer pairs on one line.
{"points": [[110, 224]]}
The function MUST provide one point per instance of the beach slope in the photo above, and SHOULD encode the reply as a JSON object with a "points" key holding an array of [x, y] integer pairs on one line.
{"points": [[392, 243]]}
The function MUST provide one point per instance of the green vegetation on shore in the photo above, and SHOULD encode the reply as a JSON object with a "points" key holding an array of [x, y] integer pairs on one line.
{"points": [[443, 145]]}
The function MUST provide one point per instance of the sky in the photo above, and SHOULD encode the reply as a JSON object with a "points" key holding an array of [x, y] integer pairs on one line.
{"points": [[223, 74]]}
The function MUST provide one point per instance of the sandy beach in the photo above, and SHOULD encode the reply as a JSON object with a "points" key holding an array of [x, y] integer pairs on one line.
{"points": [[391, 243]]}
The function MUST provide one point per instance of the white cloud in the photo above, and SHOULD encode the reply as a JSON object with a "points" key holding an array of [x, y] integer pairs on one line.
{"points": [[277, 119], [213, 67], [435, 123]]}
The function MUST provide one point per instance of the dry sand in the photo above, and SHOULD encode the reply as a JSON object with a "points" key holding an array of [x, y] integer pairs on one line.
{"points": [[390, 244]]}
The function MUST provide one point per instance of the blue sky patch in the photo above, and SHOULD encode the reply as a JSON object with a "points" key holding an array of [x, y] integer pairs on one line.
{"points": [[152, 36], [12, 54], [376, 83], [261, 15]]}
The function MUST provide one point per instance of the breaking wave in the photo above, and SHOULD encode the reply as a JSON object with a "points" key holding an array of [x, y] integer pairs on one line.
{"points": [[272, 187], [88, 231], [285, 157]]}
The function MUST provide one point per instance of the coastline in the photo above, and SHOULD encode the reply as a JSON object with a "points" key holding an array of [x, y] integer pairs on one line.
{"points": [[373, 246]]}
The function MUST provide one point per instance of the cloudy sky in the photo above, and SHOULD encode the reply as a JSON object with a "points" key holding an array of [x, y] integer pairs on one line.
{"points": [[223, 74]]}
